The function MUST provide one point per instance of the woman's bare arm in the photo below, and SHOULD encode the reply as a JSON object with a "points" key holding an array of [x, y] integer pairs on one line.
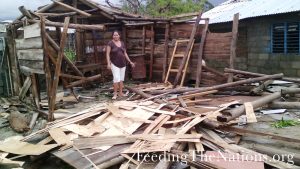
{"points": [[108, 48], [128, 59]]}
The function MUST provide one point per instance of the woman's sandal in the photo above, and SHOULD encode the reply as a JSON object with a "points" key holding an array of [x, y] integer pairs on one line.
{"points": [[114, 97]]}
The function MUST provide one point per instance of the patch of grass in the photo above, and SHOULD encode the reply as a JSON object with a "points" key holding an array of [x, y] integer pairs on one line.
{"points": [[285, 123], [70, 53]]}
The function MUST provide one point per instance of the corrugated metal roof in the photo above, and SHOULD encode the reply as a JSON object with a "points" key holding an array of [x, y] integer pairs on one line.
{"points": [[250, 8]]}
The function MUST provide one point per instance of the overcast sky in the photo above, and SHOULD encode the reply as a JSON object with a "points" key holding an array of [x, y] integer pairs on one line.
{"points": [[9, 8]]}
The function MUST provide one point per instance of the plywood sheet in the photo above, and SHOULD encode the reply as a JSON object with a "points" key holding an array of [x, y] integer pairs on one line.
{"points": [[33, 30], [15, 146]]}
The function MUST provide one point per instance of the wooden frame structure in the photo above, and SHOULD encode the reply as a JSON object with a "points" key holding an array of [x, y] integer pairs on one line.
{"points": [[93, 24]]}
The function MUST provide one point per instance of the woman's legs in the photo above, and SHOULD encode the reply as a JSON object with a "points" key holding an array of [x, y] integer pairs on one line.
{"points": [[116, 86], [122, 77], [116, 79]]}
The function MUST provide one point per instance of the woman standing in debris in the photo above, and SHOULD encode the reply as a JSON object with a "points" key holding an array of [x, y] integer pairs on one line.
{"points": [[116, 56]]}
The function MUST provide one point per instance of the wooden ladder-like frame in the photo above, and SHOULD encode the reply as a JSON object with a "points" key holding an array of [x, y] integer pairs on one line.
{"points": [[174, 55]]}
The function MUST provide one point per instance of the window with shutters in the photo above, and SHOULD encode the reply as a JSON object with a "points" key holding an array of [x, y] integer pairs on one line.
{"points": [[285, 38]]}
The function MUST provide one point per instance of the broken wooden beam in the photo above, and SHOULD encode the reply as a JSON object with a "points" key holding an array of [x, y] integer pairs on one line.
{"points": [[259, 89], [72, 25], [85, 80], [236, 112], [58, 69], [290, 79], [25, 12], [70, 63], [217, 87], [284, 105], [200, 54], [166, 51], [235, 26], [25, 88], [72, 8]]}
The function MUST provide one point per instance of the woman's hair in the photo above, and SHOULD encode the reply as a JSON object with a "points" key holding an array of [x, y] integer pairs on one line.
{"points": [[114, 32]]}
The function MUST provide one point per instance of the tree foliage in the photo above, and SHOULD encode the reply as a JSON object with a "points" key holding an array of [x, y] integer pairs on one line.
{"points": [[162, 8]]}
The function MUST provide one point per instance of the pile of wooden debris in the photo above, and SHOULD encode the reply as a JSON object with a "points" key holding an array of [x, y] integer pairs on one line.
{"points": [[159, 126]]}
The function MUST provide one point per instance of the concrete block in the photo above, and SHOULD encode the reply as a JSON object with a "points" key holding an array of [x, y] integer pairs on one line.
{"points": [[241, 66], [252, 69], [298, 73], [296, 65], [285, 65], [263, 56], [290, 72]]}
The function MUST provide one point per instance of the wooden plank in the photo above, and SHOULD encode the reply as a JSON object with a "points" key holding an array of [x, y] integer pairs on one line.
{"points": [[30, 54], [166, 51], [32, 31], [59, 136], [46, 59], [251, 118], [99, 141], [30, 43], [32, 64], [235, 26], [27, 70], [181, 101], [35, 93], [74, 26], [200, 54], [58, 69], [25, 88], [14, 146], [151, 52], [72, 8], [76, 160], [85, 131], [243, 131], [199, 146], [143, 40]]}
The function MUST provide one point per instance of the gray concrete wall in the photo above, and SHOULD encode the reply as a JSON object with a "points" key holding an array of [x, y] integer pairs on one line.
{"points": [[260, 58], [255, 38]]}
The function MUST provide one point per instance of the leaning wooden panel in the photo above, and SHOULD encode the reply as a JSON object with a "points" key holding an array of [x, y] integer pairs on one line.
{"points": [[30, 43], [31, 31], [30, 54]]}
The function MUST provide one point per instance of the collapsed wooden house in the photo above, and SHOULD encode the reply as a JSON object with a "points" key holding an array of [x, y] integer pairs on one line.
{"points": [[150, 42]]}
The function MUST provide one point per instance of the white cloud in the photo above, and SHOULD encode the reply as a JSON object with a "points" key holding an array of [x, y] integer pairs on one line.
{"points": [[9, 8]]}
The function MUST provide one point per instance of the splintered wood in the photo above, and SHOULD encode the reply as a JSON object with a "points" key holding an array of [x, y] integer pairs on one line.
{"points": [[134, 131]]}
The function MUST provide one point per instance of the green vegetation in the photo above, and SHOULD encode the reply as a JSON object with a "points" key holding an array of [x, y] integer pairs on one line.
{"points": [[285, 123], [70, 53], [163, 8]]}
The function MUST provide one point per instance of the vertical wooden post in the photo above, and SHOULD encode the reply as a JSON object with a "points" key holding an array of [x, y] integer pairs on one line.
{"points": [[124, 33], [11, 35], [152, 52], [35, 92], [144, 39], [58, 33], [166, 51], [58, 69], [46, 59], [235, 26], [95, 47], [200, 54], [186, 53]]}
